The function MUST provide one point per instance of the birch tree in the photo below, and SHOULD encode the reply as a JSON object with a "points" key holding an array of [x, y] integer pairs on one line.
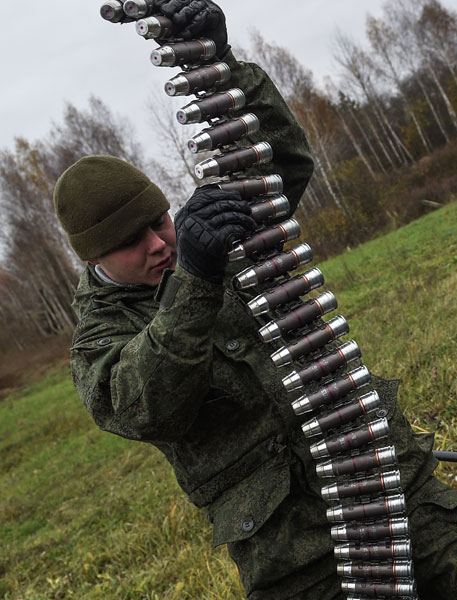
{"points": [[358, 74], [382, 39], [436, 38]]}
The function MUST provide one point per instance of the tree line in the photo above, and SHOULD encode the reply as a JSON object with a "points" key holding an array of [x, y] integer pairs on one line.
{"points": [[380, 129], [383, 135]]}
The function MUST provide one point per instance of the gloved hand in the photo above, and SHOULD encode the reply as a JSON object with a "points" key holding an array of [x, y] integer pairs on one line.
{"points": [[206, 226], [196, 19]]}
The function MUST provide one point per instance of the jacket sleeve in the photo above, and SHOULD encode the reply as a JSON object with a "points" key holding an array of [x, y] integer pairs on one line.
{"points": [[278, 126], [150, 385]]}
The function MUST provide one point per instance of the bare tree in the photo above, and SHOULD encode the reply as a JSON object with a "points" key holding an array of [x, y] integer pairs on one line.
{"points": [[437, 28], [382, 38], [288, 74], [344, 108], [436, 38], [177, 172], [40, 271], [402, 17], [359, 74]]}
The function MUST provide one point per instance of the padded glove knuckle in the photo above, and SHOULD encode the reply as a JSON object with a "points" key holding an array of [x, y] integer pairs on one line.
{"points": [[172, 7], [209, 241], [189, 225], [185, 16]]}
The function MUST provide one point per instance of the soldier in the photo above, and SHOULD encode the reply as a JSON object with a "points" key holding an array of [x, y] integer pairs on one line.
{"points": [[165, 353]]}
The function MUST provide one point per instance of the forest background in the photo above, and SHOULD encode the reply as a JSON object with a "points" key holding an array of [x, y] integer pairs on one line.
{"points": [[383, 135]]}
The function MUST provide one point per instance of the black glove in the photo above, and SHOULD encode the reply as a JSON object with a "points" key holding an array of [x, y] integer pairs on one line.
{"points": [[196, 19], [206, 226]]}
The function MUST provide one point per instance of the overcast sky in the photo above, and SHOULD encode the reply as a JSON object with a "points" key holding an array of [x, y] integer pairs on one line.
{"points": [[55, 51]]}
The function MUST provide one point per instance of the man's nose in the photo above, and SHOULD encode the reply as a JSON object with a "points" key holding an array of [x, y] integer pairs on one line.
{"points": [[154, 243]]}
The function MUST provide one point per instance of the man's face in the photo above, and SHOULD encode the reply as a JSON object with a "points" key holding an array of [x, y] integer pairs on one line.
{"points": [[144, 258]]}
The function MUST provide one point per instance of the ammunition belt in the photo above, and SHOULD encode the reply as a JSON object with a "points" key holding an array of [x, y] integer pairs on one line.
{"points": [[342, 417]]}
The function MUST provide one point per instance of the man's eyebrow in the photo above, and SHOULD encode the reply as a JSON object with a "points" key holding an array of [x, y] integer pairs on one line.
{"points": [[129, 241]]}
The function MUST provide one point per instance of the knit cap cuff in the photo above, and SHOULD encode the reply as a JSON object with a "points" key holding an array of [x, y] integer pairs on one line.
{"points": [[120, 226]]}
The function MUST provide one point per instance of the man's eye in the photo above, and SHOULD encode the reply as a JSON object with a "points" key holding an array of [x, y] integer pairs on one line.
{"points": [[131, 241], [158, 224]]}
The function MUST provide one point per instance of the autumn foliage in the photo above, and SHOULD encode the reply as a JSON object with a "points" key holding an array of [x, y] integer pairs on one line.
{"points": [[384, 134]]}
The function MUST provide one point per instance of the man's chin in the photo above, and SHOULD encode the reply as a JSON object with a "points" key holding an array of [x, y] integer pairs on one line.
{"points": [[154, 277]]}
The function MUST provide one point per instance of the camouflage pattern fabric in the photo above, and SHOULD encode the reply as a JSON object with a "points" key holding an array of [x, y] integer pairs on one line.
{"points": [[182, 367]]}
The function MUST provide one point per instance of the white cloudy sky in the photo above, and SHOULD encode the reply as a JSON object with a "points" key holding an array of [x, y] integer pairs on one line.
{"points": [[59, 50]]}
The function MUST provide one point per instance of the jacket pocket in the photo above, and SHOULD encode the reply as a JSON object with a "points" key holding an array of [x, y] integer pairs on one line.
{"points": [[434, 493], [242, 510], [446, 498]]}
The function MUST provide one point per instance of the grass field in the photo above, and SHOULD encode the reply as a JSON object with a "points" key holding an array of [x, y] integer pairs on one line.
{"points": [[87, 515]]}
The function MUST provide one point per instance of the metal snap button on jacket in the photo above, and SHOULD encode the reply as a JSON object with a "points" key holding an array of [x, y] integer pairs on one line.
{"points": [[104, 341], [275, 444], [382, 412], [232, 345], [247, 525]]}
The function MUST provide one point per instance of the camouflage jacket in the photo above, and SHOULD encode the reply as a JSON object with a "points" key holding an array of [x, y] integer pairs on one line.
{"points": [[183, 367]]}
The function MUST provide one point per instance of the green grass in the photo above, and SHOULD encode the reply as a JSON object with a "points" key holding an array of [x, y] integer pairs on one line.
{"points": [[87, 515], [398, 293]]}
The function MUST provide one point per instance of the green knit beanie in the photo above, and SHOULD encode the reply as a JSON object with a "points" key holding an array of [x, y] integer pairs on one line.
{"points": [[102, 202]]}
